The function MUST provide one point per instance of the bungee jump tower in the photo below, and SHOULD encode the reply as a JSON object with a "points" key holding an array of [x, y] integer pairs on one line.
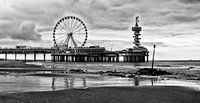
{"points": [[138, 53]]}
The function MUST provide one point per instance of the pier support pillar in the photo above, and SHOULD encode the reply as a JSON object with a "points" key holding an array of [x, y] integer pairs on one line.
{"points": [[117, 58], [53, 58]]}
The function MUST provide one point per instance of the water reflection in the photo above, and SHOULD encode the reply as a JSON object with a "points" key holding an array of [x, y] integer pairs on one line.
{"points": [[53, 84], [68, 83], [152, 80], [136, 81], [34, 83]]}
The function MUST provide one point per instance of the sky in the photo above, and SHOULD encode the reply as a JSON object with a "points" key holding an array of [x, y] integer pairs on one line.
{"points": [[173, 25]]}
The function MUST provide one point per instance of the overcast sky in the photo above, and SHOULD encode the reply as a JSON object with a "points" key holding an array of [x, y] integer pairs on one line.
{"points": [[173, 25]]}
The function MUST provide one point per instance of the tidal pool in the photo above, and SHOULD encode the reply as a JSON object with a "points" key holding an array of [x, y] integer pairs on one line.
{"points": [[12, 84]]}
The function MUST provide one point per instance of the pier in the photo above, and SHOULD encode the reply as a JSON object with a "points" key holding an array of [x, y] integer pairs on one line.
{"points": [[75, 53], [26, 51], [88, 54]]}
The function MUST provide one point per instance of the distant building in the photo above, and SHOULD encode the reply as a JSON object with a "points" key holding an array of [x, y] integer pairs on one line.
{"points": [[21, 47]]}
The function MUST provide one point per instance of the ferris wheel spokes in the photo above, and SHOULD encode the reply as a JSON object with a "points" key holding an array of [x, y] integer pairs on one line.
{"points": [[75, 24], [70, 32], [78, 26], [62, 28]]}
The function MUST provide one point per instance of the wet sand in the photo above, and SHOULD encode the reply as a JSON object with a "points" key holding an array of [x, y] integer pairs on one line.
{"points": [[149, 94], [17, 64]]}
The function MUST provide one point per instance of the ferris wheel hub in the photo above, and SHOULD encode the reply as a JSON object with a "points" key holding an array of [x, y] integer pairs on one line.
{"points": [[70, 34]]}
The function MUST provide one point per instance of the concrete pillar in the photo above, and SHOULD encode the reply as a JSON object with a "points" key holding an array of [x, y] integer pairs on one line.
{"points": [[117, 58], [66, 58], [109, 59], [128, 58], [125, 60], [113, 59], [72, 58], [87, 58], [62, 58], [132, 58], [58, 58], [125, 57], [135, 58], [53, 58], [101, 58]]}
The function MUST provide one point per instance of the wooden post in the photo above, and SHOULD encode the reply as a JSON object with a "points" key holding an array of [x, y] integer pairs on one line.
{"points": [[25, 57], [154, 46], [34, 56], [44, 56], [15, 56], [6, 56]]}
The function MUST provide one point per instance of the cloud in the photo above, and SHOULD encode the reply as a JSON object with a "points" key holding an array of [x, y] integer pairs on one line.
{"points": [[18, 30], [160, 44], [184, 18], [27, 31], [172, 24], [190, 1]]}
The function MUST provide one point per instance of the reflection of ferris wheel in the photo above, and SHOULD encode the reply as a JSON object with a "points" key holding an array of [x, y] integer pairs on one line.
{"points": [[70, 32]]}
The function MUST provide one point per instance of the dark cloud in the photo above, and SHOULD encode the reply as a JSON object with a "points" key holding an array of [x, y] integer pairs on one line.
{"points": [[184, 18], [119, 3], [27, 32], [114, 19], [190, 1], [160, 44], [28, 10], [45, 29], [24, 31], [111, 44]]}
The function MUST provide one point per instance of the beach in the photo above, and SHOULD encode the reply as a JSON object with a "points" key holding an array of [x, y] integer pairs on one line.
{"points": [[149, 94], [113, 92]]}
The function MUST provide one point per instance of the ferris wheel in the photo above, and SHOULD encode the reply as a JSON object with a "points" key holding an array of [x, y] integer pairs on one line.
{"points": [[70, 32]]}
